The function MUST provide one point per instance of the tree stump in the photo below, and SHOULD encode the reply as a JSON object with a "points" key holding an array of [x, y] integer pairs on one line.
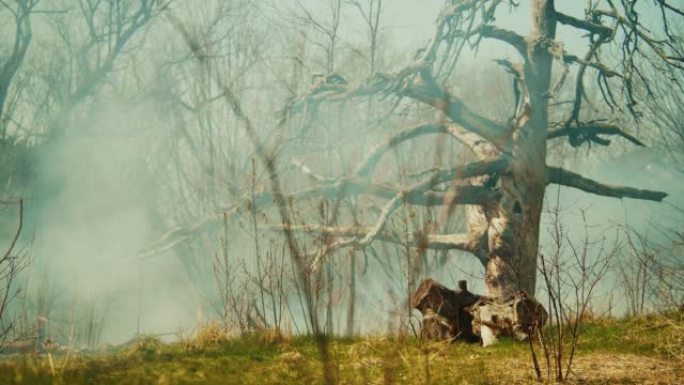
{"points": [[450, 315], [445, 311], [518, 316]]}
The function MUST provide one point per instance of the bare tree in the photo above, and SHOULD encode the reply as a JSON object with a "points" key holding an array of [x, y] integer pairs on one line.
{"points": [[109, 27], [510, 176], [41, 90], [371, 12], [326, 32], [571, 271], [21, 12]]}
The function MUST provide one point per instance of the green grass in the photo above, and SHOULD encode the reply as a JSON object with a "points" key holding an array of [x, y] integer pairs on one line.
{"points": [[259, 359], [649, 335]]}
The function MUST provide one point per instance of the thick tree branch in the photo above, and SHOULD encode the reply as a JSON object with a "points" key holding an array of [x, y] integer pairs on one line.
{"points": [[504, 35], [468, 195], [415, 82], [360, 186], [589, 131], [366, 168], [480, 147], [307, 171], [579, 85], [368, 165], [401, 197], [586, 25], [457, 241], [422, 187], [557, 175], [427, 91]]}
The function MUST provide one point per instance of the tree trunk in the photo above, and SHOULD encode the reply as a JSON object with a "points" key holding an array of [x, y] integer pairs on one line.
{"points": [[513, 230]]}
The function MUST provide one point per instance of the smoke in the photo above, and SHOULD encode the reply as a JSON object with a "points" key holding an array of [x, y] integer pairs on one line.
{"points": [[94, 217]]}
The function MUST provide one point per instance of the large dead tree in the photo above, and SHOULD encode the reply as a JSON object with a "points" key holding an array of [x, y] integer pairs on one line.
{"points": [[509, 177], [504, 186]]}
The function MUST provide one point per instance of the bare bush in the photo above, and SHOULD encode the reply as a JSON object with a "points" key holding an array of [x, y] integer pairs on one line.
{"points": [[12, 262], [571, 271], [637, 273], [651, 272]]}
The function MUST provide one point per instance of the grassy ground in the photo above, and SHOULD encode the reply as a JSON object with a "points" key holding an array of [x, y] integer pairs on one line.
{"points": [[628, 352]]}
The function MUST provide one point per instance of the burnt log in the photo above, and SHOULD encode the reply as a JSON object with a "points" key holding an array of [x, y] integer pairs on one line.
{"points": [[459, 314], [445, 311]]}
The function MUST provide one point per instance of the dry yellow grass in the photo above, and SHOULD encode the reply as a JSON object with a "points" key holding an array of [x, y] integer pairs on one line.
{"points": [[637, 351]]}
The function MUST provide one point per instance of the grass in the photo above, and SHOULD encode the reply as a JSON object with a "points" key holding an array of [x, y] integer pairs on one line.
{"points": [[611, 351]]}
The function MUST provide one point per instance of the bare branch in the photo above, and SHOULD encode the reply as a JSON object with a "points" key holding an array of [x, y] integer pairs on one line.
{"points": [[419, 189], [458, 241], [307, 171], [368, 165], [415, 82], [586, 25], [22, 39], [126, 28], [655, 44], [589, 131], [478, 168], [602, 68], [360, 186], [579, 84], [522, 107], [429, 92], [504, 35], [665, 4], [564, 177], [20, 226], [469, 195], [480, 147]]}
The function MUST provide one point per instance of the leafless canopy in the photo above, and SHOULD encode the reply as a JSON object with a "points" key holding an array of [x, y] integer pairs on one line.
{"points": [[462, 25]]}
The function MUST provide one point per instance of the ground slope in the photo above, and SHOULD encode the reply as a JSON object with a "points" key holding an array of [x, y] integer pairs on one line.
{"points": [[641, 351]]}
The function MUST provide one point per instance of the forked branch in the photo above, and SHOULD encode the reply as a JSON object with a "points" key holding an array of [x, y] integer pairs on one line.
{"points": [[423, 195]]}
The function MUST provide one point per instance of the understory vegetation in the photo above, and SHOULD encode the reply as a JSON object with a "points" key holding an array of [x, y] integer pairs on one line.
{"points": [[646, 349]]}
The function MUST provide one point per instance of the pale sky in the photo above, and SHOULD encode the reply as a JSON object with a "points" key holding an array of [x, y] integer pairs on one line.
{"points": [[410, 23]]}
